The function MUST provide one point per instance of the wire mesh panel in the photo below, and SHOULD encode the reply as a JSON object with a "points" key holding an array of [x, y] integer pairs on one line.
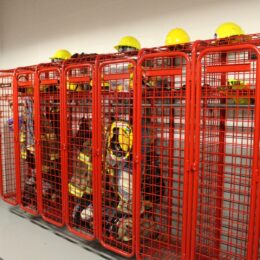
{"points": [[7, 160], [164, 91], [226, 153], [26, 144], [117, 179], [50, 150], [79, 179]]}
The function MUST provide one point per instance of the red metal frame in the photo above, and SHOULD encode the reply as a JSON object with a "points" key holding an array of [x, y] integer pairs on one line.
{"points": [[26, 174], [161, 80], [175, 172], [48, 124], [7, 150], [78, 105], [223, 214], [116, 227]]}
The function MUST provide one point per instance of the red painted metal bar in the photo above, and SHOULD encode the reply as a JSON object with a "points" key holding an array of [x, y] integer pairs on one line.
{"points": [[115, 108], [79, 181], [227, 244], [25, 139], [190, 158], [228, 68], [255, 252], [51, 195], [7, 149], [169, 214]]}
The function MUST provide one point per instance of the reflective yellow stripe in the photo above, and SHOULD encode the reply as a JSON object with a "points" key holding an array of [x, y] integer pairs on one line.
{"points": [[75, 191], [54, 156], [86, 160], [51, 136], [22, 137], [24, 155]]}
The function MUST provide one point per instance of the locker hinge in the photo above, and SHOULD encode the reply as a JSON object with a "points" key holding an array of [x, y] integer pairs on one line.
{"points": [[136, 160], [194, 167], [97, 152], [257, 174]]}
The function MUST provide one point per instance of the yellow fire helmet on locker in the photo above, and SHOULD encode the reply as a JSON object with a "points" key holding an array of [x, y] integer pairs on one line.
{"points": [[120, 140], [228, 29], [177, 36], [128, 41], [61, 55]]}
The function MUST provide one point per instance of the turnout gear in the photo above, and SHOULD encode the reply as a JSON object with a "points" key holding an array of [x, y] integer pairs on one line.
{"points": [[81, 182], [29, 192], [81, 189], [120, 141], [83, 212], [83, 134]]}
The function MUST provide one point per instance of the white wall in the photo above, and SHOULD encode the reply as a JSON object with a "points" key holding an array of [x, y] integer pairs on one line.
{"points": [[31, 30], [1, 24]]}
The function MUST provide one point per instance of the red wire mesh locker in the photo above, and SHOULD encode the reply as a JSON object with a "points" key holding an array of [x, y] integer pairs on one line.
{"points": [[80, 216], [226, 152], [164, 89], [116, 179], [25, 139], [48, 138], [7, 160]]}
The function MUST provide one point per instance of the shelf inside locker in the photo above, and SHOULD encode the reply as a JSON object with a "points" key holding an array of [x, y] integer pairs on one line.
{"points": [[25, 84], [230, 106], [166, 105], [49, 82], [25, 94], [81, 79], [165, 93], [79, 94], [228, 92], [119, 76], [50, 95], [117, 93], [156, 72]]}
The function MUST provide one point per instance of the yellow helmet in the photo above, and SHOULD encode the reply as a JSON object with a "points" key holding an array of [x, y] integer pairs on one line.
{"points": [[61, 55], [228, 29], [177, 36], [128, 41]]}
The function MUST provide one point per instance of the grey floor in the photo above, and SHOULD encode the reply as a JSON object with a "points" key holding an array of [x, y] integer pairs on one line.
{"points": [[20, 239]]}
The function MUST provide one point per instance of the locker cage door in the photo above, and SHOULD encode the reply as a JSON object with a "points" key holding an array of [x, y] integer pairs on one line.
{"points": [[163, 122], [48, 137], [25, 147], [79, 179], [116, 180], [7, 150], [226, 153]]}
